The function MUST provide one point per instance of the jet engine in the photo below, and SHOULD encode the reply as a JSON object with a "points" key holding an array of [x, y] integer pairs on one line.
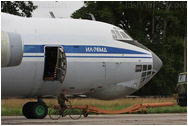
{"points": [[11, 49]]}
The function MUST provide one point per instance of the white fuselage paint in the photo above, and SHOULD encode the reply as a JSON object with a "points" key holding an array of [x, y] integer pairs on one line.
{"points": [[93, 60]]}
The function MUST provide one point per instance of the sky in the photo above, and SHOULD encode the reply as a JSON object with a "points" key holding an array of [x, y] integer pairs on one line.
{"points": [[61, 9]]}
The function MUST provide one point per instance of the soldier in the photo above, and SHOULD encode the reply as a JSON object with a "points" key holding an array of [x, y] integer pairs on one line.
{"points": [[62, 98]]}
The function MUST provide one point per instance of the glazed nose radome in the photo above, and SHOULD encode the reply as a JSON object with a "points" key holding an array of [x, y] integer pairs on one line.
{"points": [[157, 63]]}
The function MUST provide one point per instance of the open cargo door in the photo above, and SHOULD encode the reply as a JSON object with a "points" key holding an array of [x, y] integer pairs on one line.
{"points": [[55, 64]]}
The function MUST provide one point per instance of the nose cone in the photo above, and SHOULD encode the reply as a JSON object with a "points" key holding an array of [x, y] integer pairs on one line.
{"points": [[157, 63]]}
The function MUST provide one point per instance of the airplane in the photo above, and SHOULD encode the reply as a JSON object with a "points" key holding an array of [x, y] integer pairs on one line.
{"points": [[86, 57]]}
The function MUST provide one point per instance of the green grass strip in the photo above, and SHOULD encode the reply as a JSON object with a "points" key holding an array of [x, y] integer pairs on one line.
{"points": [[170, 109]]}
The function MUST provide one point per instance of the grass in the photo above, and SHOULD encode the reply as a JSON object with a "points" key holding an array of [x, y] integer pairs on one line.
{"points": [[171, 109], [9, 112], [14, 106]]}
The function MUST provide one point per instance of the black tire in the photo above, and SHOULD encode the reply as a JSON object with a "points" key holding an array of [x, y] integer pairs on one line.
{"points": [[85, 114], [39, 110], [26, 110], [55, 113], [75, 113]]}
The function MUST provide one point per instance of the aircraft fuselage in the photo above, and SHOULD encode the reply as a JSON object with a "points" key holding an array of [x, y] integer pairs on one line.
{"points": [[81, 56]]}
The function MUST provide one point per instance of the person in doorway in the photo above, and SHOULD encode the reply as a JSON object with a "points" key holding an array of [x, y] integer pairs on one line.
{"points": [[62, 98]]}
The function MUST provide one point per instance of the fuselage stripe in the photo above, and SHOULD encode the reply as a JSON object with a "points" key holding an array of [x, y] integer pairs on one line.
{"points": [[87, 49], [98, 57], [106, 57], [33, 56]]}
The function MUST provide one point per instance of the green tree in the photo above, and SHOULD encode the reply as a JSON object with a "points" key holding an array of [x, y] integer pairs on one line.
{"points": [[20, 8], [159, 25]]}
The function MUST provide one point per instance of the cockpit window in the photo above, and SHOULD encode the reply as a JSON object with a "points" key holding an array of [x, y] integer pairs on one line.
{"points": [[113, 34], [119, 34], [124, 35]]}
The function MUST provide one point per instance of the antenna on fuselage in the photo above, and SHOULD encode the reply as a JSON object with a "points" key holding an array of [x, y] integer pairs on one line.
{"points": [[52, 14], [92, 16]]}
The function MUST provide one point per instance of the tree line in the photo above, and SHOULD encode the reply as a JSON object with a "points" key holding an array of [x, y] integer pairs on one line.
{"points": [[159, 25], [20, 8]]}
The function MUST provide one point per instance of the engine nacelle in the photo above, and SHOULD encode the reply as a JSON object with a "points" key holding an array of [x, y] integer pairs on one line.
{"points": [[11, 49]]}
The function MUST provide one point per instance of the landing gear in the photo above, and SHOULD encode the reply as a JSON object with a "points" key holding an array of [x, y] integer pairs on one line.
{"points": [[35, 110]]}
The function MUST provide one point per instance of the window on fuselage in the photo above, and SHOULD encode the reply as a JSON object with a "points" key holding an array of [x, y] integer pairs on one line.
{"points": [[143, 74], [149, 67], [144, 67], [138, 68], [114, 34], [124, 35], [119, 34]]}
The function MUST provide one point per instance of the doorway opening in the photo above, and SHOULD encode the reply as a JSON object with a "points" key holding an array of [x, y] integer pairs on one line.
{"points": [[55, 64]]}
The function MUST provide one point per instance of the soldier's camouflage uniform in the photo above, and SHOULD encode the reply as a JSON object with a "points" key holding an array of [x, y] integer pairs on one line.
{"points": [[61, 100]]}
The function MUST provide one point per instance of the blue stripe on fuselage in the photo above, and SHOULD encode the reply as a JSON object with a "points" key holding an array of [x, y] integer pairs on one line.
{"points": [[83, 49], [34, 48], [98, 57], [108, 57]]}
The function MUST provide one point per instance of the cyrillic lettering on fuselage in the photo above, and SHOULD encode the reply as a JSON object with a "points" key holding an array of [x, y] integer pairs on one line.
{"points": [[96, 49]]}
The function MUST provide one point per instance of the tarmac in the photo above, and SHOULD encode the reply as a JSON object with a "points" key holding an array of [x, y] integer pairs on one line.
{"points": [[119, 119]]}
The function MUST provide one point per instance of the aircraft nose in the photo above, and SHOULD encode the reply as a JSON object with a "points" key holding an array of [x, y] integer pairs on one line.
{"points": [[157, 63]]}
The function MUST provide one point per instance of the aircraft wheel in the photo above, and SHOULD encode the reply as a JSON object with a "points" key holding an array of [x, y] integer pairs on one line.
{"points": [[39, 110], [26, 110], [35, 110]]}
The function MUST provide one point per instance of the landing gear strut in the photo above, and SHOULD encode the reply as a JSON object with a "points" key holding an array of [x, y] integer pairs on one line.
{"points": [[35, 110]]}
